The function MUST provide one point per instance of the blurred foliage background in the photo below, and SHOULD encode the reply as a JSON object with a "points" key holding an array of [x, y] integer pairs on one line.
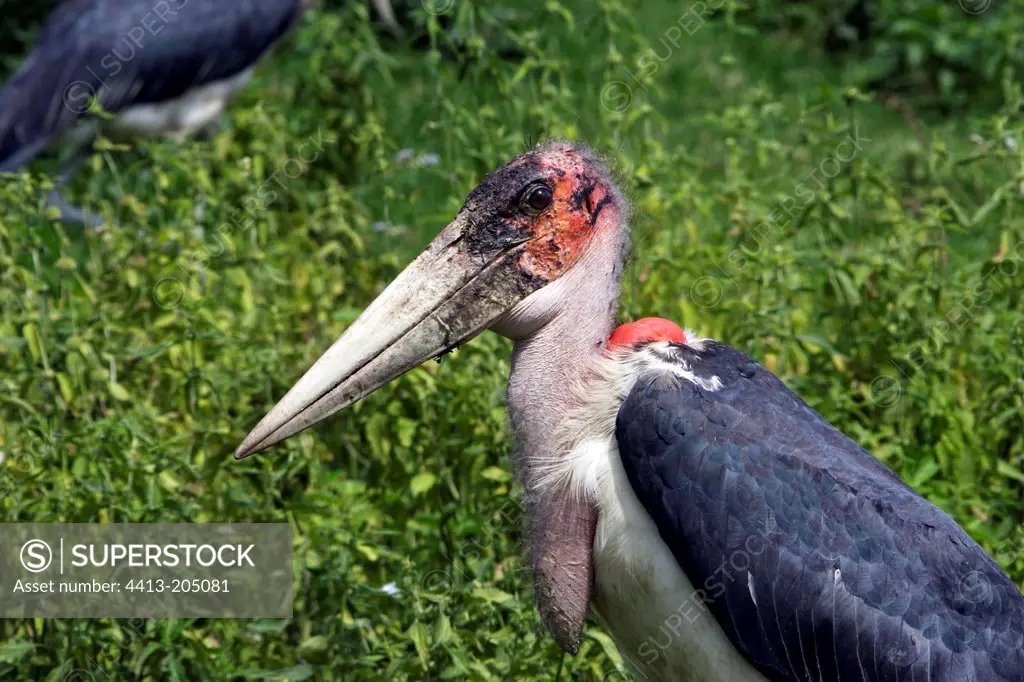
{"points": [[836, 189]]}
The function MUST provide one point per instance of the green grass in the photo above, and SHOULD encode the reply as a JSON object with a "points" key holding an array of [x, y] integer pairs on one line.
{"points": [[133, 361]]}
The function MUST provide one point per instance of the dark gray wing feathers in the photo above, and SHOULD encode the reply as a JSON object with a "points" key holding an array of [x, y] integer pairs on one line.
{"points": [[817, 560]]}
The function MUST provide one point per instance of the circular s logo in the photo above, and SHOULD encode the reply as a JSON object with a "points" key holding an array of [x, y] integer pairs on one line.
{"points": [[78, 97], [36, 556]]}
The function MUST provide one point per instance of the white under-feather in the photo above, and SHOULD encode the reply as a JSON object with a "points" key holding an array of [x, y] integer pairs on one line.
{"points": [[643, 598], [176, 119]]}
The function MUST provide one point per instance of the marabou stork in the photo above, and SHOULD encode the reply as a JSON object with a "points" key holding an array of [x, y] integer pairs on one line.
{"points": [[724, 531], [163, 68]]}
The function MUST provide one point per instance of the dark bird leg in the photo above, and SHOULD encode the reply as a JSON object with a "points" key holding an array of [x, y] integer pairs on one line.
{"points": [[210, 130], [72, 214], [68, 213], [71, 166]]}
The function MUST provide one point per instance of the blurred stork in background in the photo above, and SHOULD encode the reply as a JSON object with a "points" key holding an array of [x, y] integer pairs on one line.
{"points": [[160, 68]]}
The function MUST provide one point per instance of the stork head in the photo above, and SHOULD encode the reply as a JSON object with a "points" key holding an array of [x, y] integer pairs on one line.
{"points": [[523, 227]]}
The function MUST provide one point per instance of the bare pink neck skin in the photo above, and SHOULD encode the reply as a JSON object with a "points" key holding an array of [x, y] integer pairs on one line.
{"points": [[549, 363], [576, 315]]}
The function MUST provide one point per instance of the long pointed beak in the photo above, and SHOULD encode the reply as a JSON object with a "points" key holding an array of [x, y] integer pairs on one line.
{"points": [[449, 294]]}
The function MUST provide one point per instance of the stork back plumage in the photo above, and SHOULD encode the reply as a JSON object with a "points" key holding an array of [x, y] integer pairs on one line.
{"points": [[815, 559], [741, 537]]}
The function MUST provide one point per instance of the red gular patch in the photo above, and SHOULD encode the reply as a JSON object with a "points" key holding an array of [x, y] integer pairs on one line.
{"points": [[645, 330], [582, 203]]}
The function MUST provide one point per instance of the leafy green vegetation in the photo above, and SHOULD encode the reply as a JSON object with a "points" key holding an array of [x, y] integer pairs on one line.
{"points": [[945, 55], [869, 254]]}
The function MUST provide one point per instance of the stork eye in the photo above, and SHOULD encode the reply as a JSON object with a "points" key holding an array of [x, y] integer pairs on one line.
{"points": [[537, 198]]}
